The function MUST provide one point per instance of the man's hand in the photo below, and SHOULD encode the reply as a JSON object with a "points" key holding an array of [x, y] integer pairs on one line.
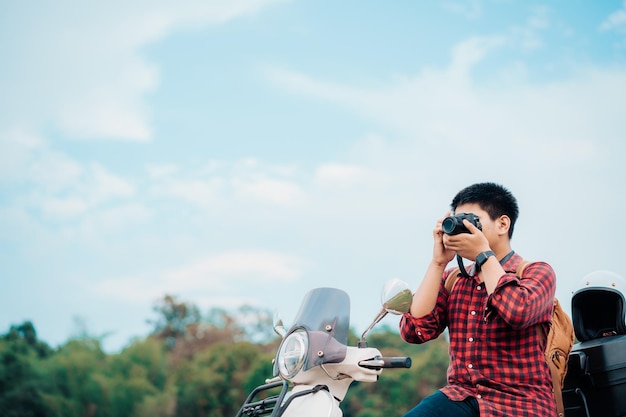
{"points": [[467, 245], [441, 254]]}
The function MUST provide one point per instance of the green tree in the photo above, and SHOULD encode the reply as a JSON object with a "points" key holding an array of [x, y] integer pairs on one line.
{"points": [[173, 319], [71, 389], [20, 382], [216, 381], [137, 378], [215, 362]]}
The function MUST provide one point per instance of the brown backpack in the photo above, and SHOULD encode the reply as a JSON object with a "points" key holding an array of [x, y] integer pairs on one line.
{"points": [[559, 340]]}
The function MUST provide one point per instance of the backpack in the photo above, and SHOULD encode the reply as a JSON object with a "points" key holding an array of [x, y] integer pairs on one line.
{"points": [[558, 341]]}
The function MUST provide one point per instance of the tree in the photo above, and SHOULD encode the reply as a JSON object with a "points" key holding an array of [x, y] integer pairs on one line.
{"points": [[20, 382], [216, 382], [72, 388], [215, 362], [173, 319], [24, 338]]}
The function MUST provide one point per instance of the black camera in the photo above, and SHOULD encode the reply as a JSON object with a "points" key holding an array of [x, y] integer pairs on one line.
{"points": [[453, 225]]}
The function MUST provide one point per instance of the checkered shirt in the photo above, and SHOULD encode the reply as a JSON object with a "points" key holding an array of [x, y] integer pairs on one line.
{"points": [[496, 353]]}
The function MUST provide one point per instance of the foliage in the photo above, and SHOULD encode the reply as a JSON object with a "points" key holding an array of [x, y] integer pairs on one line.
{"points": [[189, 366]]}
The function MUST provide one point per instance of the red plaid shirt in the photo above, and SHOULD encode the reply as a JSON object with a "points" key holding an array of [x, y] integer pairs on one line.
{"points": [[496, 354]]}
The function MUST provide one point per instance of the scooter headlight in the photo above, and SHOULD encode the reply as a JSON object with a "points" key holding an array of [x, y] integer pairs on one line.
{"points": [[292, 353]]}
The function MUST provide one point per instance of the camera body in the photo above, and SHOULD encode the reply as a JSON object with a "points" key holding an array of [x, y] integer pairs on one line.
{"points": [[453, 225]]}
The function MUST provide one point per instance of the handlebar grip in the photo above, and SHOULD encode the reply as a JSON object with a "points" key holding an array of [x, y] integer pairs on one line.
{"points": [[396, 362]]}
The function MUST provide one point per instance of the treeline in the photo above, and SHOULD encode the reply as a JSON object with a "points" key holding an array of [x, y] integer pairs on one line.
{"points": [[189, 366]]}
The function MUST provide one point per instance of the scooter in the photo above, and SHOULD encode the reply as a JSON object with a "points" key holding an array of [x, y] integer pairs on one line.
{"points": [[314, 366]]}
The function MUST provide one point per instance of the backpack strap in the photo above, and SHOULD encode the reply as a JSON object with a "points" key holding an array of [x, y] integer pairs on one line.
{"points": [[520, 268], [452, 279]]}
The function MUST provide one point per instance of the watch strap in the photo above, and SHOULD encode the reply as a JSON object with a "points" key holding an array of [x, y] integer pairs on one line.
{"points": [[482, 257]]}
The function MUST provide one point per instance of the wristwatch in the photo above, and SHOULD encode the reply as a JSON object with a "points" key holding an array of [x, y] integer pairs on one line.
{"points": [[482, 257]]}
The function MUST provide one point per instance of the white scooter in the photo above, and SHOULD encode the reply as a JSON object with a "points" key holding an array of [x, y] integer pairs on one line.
{"points": [[314, 367]]}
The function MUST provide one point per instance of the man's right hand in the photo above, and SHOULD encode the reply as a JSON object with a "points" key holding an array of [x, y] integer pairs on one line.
{"points": [[441, 255]]}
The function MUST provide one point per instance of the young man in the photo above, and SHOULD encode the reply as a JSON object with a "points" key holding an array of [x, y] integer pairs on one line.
{"points": [[497, 365]]}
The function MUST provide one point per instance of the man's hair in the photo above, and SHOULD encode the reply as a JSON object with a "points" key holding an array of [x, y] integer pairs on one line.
{"points": [[493, 198]]}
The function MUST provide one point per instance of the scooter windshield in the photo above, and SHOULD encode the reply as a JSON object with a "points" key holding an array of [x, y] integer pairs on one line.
{"points": [[325, 315]]}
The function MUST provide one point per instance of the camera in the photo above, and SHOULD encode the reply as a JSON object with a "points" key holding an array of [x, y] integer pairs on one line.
{"points": [[453, 225]]}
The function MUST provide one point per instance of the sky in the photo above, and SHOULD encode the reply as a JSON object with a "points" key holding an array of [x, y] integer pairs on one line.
{"points": [[243, 152]]}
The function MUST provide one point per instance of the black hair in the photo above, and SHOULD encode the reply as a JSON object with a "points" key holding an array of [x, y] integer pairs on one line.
{"points": [[495, 199]]}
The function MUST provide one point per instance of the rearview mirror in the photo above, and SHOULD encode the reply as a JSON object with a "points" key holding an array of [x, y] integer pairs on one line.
{"points": [[279, 327], [396, 297]]}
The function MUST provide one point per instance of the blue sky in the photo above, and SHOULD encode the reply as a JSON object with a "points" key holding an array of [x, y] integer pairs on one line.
{"points": [[244, 152]]}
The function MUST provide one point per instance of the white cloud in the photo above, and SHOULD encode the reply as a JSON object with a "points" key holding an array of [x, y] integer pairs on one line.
{"points": [[247, 179], [16, 147], [616, 20], [112, 109], [64, 207], [422, 105], [274, 191], [472, 9], [198, 191], [61, 188], [339, 175], [52, 182], [209, 277], [81, 68], [528, 36], [466, 54], [250, 179], [162, 171], [106, 185], [101, 222], [220, 271], [539, 18], [446, 106]]}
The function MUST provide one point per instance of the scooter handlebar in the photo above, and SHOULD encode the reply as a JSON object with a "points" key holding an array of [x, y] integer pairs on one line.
{"points": [[380, 362], [396, 361]]}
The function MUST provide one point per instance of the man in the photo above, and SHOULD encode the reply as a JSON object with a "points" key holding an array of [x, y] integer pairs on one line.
{"points": [[497, 366]]}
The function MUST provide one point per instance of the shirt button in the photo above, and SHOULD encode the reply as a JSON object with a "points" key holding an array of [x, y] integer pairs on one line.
{"points": [[419, 333], [473, 313], [479, 396], [470, 366], [479, 288], [471, 339]]}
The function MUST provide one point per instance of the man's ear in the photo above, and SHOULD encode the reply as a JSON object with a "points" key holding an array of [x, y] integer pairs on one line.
{"points": [[503, 223]]}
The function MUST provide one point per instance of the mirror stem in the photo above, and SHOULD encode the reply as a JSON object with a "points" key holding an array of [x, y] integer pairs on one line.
{"points": [[379, 317]]}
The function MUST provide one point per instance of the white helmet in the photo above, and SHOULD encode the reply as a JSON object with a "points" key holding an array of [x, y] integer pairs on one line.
{"points": [[598, 306]]}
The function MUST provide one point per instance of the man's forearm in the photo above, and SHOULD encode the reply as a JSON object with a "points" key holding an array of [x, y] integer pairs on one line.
{"points": [[426, 295]]}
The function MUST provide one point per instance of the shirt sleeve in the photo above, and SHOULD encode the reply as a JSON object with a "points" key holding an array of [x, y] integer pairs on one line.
{"points": [[428, 327], [526, 301]]}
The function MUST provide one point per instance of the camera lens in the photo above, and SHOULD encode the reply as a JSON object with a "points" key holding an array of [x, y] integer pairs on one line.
{"points": [[448, 225]]}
